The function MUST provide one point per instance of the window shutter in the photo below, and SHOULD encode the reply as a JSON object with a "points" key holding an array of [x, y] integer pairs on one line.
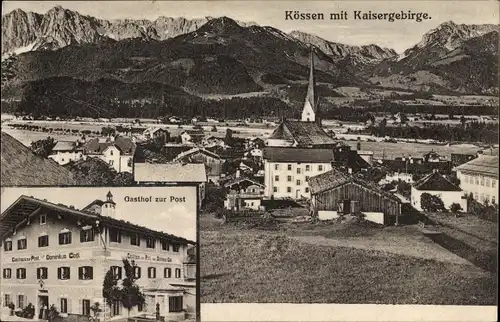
{"points": [[80, 272], [59, 273], [80, 307]]}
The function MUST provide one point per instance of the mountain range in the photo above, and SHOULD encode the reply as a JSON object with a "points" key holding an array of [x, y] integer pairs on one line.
{"points": [[221, 56]]}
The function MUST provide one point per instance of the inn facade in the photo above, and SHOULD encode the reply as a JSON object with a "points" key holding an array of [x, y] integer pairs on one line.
{"points": [[57, 255]]}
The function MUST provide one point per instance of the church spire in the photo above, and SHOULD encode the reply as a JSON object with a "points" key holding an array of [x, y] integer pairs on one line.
{"points": [[310, 110]]}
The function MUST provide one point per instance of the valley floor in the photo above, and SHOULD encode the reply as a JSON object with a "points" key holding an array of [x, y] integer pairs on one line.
{"points": [[338, 263]]}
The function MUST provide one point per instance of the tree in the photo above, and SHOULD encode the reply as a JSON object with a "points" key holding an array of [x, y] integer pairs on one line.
{"points": [[131, 295], [93, 171], [430, 202], [123, 179], [455, 208], [43, 147], [110, 291]]}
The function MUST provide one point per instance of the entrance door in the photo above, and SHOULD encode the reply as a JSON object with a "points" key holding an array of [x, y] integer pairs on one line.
{"points": [[43, 307], [297, 194], [347, 206], [115, 308]]}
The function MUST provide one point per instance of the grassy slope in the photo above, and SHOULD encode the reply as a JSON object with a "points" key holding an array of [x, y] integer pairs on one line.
{"points": [[261, 266]]}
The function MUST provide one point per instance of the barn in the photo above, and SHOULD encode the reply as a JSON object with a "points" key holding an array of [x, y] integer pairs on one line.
{"points": [[334, 193]]}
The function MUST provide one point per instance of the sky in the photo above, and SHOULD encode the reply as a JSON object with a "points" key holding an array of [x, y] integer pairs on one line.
{"points": [[398, 35], [176, 218]]}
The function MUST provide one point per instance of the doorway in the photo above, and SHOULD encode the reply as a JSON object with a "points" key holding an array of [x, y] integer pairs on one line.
{"points": [[347, 206], [43, 307]]}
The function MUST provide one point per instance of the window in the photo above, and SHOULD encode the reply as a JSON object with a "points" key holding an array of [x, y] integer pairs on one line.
{"points": [[42, 273], [6, 299], [165, 245], [493, 183], [86, 235], [476, 196], [320, 168], [43, 241], [110, 152], [466, 178], [129, 162], [7, 245], [276, 167], [111, 162], [308, 167], [298, 182], [307, 189], [167, 272], [115, 236], [487, 181], [85, 272], [20, 301], [307, 178], [177, 273], [21, 273], [7, 273], [275, 189], [117, 272], [476, 180], [276, 178], [176, 247], [137, 272], [151, 272], [64, 305], [22, 243], [65, 238], [43, 219], [289, 178], [150, 242], [298, 170], [63, 273], [289, 167], [493, 199], [482, 181], [86, 307], [175, 304], [288, 189], [135, 240]]}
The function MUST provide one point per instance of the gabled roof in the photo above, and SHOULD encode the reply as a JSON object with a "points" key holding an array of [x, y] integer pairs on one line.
{"points": [[25, 206], [21, 167], [241, 179], [124, 144], [187, 153], [64, 146], [289, 154], [335, 178], [484, 164], [306, 134], [435, 182], [170, 172]]}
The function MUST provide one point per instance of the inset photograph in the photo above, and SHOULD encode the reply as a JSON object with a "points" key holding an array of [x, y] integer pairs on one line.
{"points": [[98, 254]]}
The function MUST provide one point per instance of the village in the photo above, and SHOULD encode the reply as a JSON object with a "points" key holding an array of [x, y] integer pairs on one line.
{"points": [[295, 177]]}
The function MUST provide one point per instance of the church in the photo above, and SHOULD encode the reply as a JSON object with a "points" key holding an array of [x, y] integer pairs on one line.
{"points": [[297, 150]]}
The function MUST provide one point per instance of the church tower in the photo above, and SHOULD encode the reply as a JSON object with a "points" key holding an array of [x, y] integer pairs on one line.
{"points": [[310, 112], [108, 206]]}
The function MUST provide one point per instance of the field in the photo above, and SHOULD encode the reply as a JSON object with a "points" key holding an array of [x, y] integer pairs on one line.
{"points": [[304, 263]]}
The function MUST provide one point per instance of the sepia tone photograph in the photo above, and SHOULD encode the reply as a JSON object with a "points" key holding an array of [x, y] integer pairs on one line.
{"points": [[337, 153], [98, 254]]}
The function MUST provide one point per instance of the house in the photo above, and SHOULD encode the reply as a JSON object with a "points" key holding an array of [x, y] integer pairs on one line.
{"points": [[116, 151], [335, 192], [173, 173], [479, 177], [243, 193], [349, 160], [397, 176], [192, 136], [433, 156], [155, 133], [256, 143], [65, 152], [21, 167], [254, 153], [366, 155], [53, 254], [437, 185], [212, 161], [287, 170], [414, 168], [461, 158], [212, 141]]}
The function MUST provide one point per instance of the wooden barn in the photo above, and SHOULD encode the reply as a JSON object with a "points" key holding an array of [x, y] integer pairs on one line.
{"points": [[334, 193], [212, 161]]}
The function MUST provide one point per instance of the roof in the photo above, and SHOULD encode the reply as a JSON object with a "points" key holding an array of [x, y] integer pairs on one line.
{"points": [[170, 172], [64, 146], [124, 144], [416, 168], [335, 178], [194, 132], [196, 150], [21, 167], [435, 182], [25, 206], [311, 86], [288, 154], [484, 164], [233, 181], [304, 133]]}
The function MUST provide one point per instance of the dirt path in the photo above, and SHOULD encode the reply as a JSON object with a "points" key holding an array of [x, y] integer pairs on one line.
{"points": [[425, 249]]}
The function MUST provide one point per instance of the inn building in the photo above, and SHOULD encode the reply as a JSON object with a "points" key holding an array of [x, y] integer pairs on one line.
{"points": [[53, 254]]}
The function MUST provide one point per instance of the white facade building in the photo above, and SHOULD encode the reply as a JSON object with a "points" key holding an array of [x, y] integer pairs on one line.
{"points": [[480, 177], [437, 185]]}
